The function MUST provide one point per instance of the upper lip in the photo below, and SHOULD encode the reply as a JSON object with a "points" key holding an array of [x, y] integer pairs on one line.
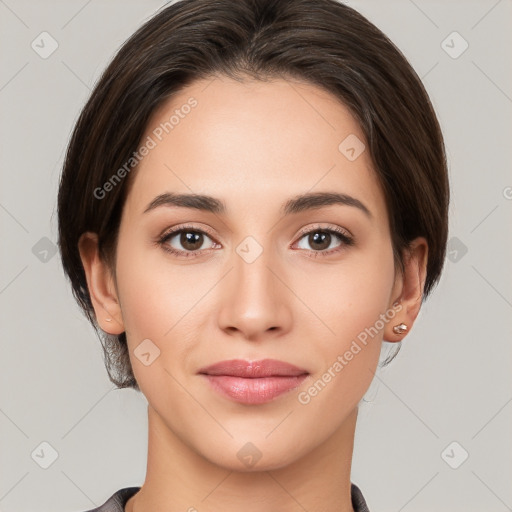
{"points": [[253, 369]]}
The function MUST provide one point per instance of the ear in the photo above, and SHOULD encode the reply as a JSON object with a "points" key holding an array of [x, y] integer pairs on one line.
{"points": [[408, 289], [101, 285]]}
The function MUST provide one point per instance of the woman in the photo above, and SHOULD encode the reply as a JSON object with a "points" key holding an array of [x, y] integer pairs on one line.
{"points": [[254, 197]]}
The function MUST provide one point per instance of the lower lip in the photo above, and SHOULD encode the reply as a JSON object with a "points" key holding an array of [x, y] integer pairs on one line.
{"points": [[253, 391]]}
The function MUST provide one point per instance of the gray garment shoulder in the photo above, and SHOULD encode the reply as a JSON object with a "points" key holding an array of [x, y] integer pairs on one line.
{"points": [[117, 501]]}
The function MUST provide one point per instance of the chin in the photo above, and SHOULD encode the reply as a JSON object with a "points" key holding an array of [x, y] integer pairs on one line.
{"points": [[251, 459]]}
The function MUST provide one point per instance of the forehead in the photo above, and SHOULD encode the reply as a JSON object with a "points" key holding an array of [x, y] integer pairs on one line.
{"points": [[253, 144]]}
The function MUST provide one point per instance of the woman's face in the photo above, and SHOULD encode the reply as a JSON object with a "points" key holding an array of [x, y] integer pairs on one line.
{"points": [[267, 276]]}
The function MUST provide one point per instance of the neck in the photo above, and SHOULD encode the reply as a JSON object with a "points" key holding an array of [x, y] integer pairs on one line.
{"points": [[179, 479]]}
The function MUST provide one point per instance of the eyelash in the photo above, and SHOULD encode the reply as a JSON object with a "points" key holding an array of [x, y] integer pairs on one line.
{"points": [[340, 233]]}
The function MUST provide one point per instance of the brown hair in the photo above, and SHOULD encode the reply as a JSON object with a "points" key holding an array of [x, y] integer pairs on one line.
{"points": [[323, 42]]}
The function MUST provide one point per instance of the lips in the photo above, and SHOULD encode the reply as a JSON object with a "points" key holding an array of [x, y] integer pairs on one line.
{"points": [[254, 369], [254, 382]]}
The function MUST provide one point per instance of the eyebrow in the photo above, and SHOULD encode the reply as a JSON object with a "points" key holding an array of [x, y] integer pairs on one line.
{"points": [[297, 204]]}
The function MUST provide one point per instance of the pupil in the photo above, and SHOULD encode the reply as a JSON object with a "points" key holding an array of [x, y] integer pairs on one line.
{"points": [[319, 239], [189, 238]]}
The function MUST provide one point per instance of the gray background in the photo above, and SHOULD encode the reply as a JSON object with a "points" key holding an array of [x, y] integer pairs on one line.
{"points": [[450, 383]]}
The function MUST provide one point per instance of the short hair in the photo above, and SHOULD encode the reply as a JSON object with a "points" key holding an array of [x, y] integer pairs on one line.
{"points": [[324, 43]]}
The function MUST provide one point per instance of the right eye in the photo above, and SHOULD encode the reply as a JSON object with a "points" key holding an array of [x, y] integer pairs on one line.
{"points": [[185, 241]]}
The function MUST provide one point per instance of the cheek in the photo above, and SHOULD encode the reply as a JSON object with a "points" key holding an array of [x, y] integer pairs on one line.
{"points": [[350, 296], [155, 292], [161, 302], [350, 309]]}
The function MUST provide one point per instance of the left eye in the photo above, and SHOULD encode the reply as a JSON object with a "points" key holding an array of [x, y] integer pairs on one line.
{"points": [[322, 239]]}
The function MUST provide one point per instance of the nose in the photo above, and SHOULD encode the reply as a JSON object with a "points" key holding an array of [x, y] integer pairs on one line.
{"points": [[255, 301]]}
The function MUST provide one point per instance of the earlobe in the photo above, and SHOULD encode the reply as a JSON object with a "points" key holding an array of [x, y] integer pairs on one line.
{"points": [[101, 285], [411, 294]]}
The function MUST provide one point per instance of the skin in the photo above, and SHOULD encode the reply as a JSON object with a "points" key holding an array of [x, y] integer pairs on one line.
{"points": [[254, 145]]}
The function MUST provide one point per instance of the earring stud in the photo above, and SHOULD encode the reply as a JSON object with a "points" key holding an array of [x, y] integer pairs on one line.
{"points": [[400, 328]]}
